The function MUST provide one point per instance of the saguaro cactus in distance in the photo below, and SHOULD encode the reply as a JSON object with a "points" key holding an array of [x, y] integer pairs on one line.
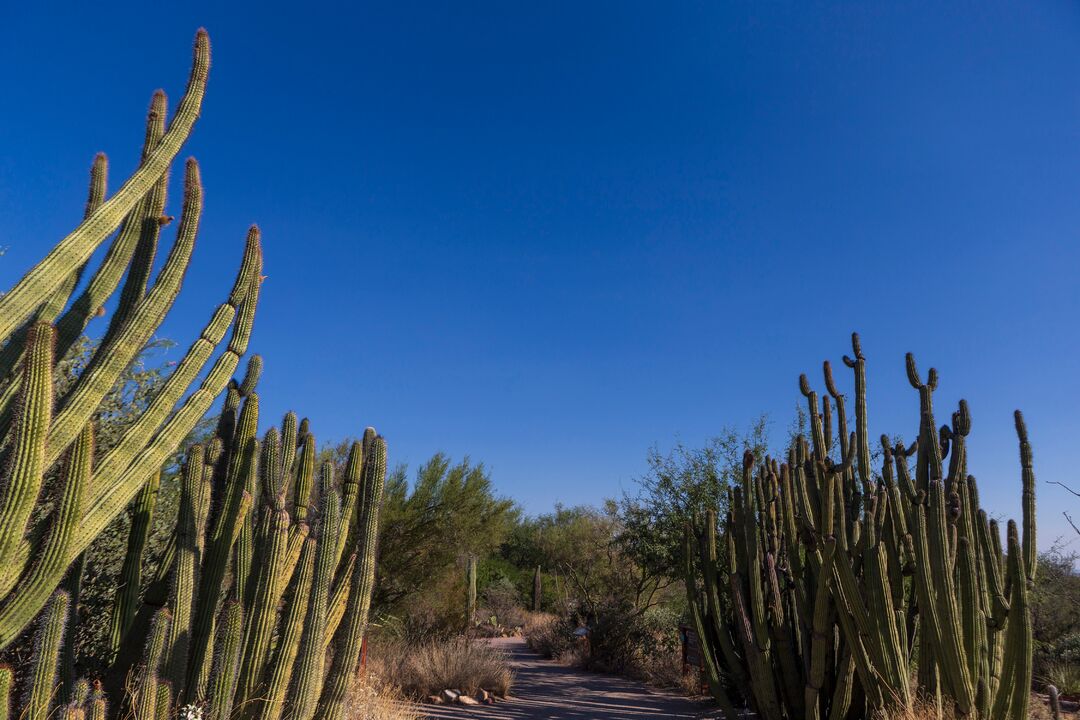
{"points": [[537, 588], [470, 591]]}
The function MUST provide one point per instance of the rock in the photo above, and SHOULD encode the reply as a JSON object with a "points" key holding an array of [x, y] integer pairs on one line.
{"points": [[466, 700], [449, 695], [482, 695], [435, 699]]}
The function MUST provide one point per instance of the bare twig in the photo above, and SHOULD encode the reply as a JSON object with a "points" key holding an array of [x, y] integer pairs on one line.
{"points": [[1055, 482], [1071, 522]]}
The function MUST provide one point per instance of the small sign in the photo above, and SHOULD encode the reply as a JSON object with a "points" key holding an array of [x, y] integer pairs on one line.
{"points": [[692, 655]]}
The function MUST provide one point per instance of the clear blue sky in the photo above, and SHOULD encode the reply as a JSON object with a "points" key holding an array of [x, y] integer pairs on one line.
{"points": [[550, 235]]}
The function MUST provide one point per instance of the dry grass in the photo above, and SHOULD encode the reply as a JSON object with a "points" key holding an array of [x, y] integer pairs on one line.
{"points": [[1038, 710], [427, 668], [1065, 676], [373, 699]]}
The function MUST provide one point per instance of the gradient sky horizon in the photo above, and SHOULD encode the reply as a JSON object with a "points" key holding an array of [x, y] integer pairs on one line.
{"points": [[551, 235]]}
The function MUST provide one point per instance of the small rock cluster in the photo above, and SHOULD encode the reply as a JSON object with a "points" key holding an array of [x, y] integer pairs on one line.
{"points": [[456, 697]]}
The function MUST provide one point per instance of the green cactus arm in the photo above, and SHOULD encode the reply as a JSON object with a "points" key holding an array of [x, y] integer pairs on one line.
{"points": [[150, 214], [858, 364], [841, 412], [145, 700], [284, 661], [186, 575], [246, 429], [844, 687], [114, 483], [950, 649], [339, 600], [226, 661], [24, 474], [350, 491], [709, 560], [72, 323], [288, 447], [273, 487], [311, 658], [305, 478], [99, 171], [7, 680], [79, 245], [145, 315], [98, 709], [298, 533], [72, 583], [711, 669], [42, 684], [213, 571], [1014, 692], [251, 377], [1031, 551], [350, 635], [34, 591], [164, 697], [263, 613], [105, 281], [127, 593]]}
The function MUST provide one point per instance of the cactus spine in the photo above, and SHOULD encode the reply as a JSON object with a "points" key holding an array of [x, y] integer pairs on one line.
{"points": [[841, 580], [43, 680]]}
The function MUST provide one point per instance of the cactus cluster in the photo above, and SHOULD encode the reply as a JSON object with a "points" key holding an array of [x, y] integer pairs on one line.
{"points": [[258, 606], [269, 568], [42, 435], [833, 590]]}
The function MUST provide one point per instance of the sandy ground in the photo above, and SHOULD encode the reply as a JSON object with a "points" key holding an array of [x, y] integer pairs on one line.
{"points": [[543, 689]]}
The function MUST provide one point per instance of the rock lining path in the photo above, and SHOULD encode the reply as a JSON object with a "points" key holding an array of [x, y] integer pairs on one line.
{"points": [[544, 690]]}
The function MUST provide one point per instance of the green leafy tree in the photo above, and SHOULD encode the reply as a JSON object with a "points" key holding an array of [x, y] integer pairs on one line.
{"points": [[430, 526], [679, 486]]}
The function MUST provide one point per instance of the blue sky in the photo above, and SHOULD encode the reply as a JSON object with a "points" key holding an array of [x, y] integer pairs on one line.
{"points": [[551, 235]]}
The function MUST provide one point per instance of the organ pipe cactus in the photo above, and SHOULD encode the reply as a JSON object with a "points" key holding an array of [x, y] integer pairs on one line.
{"points": [[207, 659], [206, 626], [841, 578], [40, 322]]}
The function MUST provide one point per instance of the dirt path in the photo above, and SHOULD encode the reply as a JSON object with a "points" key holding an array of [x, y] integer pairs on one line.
{"points": [[545, 690]]}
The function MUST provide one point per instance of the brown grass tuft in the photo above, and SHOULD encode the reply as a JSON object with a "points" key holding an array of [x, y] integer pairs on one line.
{"points": [[427, 668], [373, 699]]}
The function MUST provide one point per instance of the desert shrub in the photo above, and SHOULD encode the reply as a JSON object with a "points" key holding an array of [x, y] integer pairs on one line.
{"points": [[1062, 674], [421, 669], [642, 645], [502, 601], [548, 635]]}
